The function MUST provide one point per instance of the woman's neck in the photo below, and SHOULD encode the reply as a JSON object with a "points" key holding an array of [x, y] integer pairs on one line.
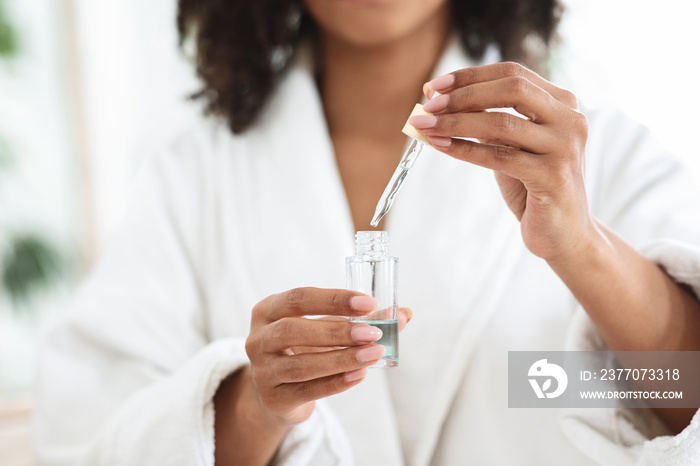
{"points": [[370, 90]]}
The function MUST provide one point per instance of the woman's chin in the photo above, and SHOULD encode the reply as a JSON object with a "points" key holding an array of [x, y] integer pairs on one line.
{"points": [[360, 2], [371, 23], [366, 37]]}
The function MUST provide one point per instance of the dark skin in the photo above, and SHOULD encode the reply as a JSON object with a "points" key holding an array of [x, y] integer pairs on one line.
{"points": [[538, 165], [350, 93]]}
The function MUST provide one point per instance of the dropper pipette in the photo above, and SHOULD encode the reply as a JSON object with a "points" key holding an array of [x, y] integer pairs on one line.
{"points": [[397, 179], [401, 172]]}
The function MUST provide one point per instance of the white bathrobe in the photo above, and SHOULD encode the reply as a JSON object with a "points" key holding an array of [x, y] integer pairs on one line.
{"points": [[218, 222]]}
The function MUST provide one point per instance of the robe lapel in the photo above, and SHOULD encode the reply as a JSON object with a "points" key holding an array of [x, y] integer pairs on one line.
{"points": [[300, 228]]}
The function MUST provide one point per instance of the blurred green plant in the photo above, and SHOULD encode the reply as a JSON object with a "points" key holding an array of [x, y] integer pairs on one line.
{"points": [[29, 265], [8, 38], [29, 262]]}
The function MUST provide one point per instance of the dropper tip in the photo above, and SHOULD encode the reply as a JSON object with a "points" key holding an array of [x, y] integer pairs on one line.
{"points": [[382, 209]]}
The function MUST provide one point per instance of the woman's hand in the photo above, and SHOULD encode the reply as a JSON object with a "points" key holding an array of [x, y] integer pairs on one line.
{"points": [[295, 360], [538, 160], [539, 166]]}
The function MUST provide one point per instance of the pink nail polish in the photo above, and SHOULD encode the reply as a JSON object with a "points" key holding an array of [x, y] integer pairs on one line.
{"points": [[423, 121], [363, 303], [371, 353], [355, 375], [403, 318], [442, 82], [437, 104], [439, 141], [365, 333]]}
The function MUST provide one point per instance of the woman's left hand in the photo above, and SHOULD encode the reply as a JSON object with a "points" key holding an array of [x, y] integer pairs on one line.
{"points": [[538, 161]]}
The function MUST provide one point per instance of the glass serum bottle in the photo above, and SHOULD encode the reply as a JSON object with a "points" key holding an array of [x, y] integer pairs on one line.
{"points": [[374, 272]]}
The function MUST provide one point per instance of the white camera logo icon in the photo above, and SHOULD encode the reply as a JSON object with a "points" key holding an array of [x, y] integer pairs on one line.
{"points": [[542, 370]]}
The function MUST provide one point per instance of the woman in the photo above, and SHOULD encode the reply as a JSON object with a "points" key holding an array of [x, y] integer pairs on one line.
{"points": [[185, 348]]}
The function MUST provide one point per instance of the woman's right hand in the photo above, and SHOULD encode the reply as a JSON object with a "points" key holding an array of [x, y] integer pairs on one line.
{"points": [[295, 360]]}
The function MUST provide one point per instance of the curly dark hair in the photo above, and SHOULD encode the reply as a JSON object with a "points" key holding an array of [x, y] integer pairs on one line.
{"points": [[243, 46]]}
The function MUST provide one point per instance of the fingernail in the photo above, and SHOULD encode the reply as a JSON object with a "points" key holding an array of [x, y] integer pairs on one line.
{"points": [[355, 375], [426, 90], [437, 104], [439, 141], [403, 320], [408, 313], [423, 121], [362, 332], [442, 82], [363, 303], [371, 353]]}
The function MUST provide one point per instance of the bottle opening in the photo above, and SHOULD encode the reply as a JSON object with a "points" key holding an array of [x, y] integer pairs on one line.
{"points": [[371, 243]]}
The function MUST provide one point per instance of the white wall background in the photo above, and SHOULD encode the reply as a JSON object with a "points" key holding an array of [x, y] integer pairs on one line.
{"points": [[134, 85], [640, 56]]}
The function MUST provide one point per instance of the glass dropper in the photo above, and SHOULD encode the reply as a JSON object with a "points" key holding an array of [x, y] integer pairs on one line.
{"points": [[401, 172], [397, 179]]}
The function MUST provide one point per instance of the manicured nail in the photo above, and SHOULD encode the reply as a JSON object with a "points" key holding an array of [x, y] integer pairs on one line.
{"points": [[437, 104], [362, 332], [423, 121], [442, 82], [406, 314], [355, 375], [363, 303], [439, 141], [371, 353]]}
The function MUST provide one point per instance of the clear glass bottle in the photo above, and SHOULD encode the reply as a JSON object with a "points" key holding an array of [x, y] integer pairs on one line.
{"points": [[374, 272]]}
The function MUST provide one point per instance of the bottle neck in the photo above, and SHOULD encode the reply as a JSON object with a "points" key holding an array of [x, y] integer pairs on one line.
{"points": [[372, 244]]}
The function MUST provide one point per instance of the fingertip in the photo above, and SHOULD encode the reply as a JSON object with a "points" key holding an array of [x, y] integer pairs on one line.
{"points": [[370, 353], [405, 316], [422, 122], [363, 303], [442, 83], [365, 333], [439, 141], [437, 104], [357, 374]]}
